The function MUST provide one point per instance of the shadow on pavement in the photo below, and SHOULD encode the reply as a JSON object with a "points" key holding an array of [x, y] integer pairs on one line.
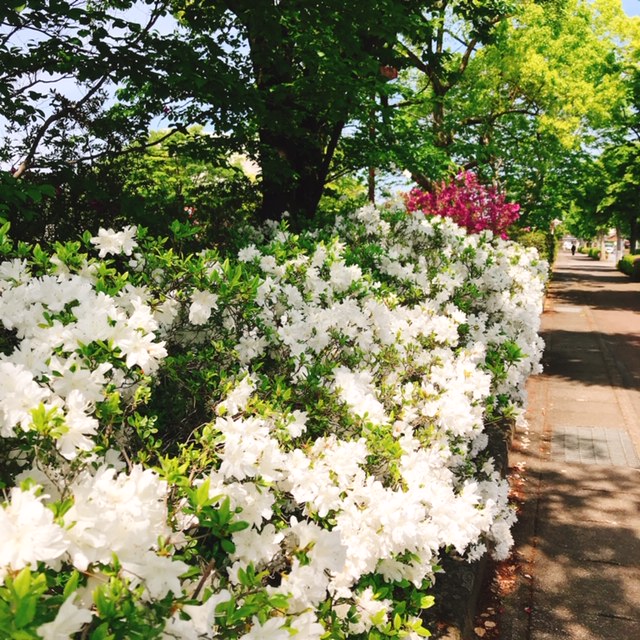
{"points": [[578, 356], [575, 571], [595, 285], [583, 585], [586, 273], [601, 298]]}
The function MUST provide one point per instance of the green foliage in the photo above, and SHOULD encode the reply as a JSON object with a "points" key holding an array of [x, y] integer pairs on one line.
{"points": [[120, 612], [339, 197], [594, 253], [607, 194], [153, 188], [89, 47], [525, 109], [179, 179], [22, 606], [583, 218], [500, 358], [17, 195], [544, 242], [630, 265], [518, 90], [281, 82], [415, 124], [621, 168]]}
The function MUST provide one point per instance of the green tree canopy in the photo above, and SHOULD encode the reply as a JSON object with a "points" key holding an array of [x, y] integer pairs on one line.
{"points": [[313, 89], [525, 108], [60, 62], [609, 195]]}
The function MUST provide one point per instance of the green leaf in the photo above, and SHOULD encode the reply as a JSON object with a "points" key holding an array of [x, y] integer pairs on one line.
{"points": [[102, 633], [72, 584], [25, 612], [22, 583], [422, 631], [239, 525], [202, 494], [224, 511], [227, 545]]}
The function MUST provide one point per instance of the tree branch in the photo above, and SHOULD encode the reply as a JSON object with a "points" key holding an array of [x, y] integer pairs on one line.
{"points": [[69, 108], [134, 148], [471, 46], [331, 147], [491, 118], [55, 117], [418, 63]]}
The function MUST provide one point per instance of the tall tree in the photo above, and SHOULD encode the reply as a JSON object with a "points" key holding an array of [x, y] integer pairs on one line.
{"points": [[59, 62], [277, 80], [410, 125], [304, 70], [621, 200], [552, 101], [310, 77]]}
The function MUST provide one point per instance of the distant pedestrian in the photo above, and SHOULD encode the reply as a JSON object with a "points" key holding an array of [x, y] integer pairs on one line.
{"points": [[573, 249]]}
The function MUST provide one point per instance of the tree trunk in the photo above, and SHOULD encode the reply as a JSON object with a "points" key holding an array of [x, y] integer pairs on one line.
{"points": [[297, 139], [294, 171]]}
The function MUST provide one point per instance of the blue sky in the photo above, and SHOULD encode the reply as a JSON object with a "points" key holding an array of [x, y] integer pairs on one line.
{"points": [[632, 7]]}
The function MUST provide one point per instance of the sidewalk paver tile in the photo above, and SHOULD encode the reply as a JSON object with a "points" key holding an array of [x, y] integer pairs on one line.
{"points": [[594, 445]]}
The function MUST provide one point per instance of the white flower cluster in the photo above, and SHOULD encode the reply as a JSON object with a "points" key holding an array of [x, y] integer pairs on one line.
{"points": [[113, 242], [54, 317], [387, 335]]}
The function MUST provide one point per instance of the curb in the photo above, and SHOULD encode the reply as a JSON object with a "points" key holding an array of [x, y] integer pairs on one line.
{"points": [[457, 594]]}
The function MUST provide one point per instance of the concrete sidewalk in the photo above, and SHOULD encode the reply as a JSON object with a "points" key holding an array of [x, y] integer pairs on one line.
{"points": [[576, 564]]}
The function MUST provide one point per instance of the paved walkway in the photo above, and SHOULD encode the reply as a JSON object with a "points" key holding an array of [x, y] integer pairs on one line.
{"points": [[577, 557]]}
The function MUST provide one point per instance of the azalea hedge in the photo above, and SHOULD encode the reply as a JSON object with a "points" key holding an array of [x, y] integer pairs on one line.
{"points": [[274, 443], [629, 264]]}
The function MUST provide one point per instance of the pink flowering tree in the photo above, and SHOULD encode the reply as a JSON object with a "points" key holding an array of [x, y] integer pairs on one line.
{"points": [[467, 202]]}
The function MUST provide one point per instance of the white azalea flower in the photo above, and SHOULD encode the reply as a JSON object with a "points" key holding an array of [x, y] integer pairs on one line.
{"points": [[28, 533], [202, 303], [68, 621], [20, 394], [109, 241], [272, 629]]}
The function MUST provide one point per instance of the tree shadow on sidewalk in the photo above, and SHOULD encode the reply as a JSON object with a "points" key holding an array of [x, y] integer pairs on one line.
{"points": [[592, 358], [601, 298], [586, 274], [594, 285], [583, 581], [578, 545]]}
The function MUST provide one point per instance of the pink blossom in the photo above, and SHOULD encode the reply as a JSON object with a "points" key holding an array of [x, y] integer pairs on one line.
{"points": [[468, 203]]}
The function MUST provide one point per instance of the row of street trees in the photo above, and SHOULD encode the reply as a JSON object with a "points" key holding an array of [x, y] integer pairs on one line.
{"points": [[610, 193], [526, 93]]}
